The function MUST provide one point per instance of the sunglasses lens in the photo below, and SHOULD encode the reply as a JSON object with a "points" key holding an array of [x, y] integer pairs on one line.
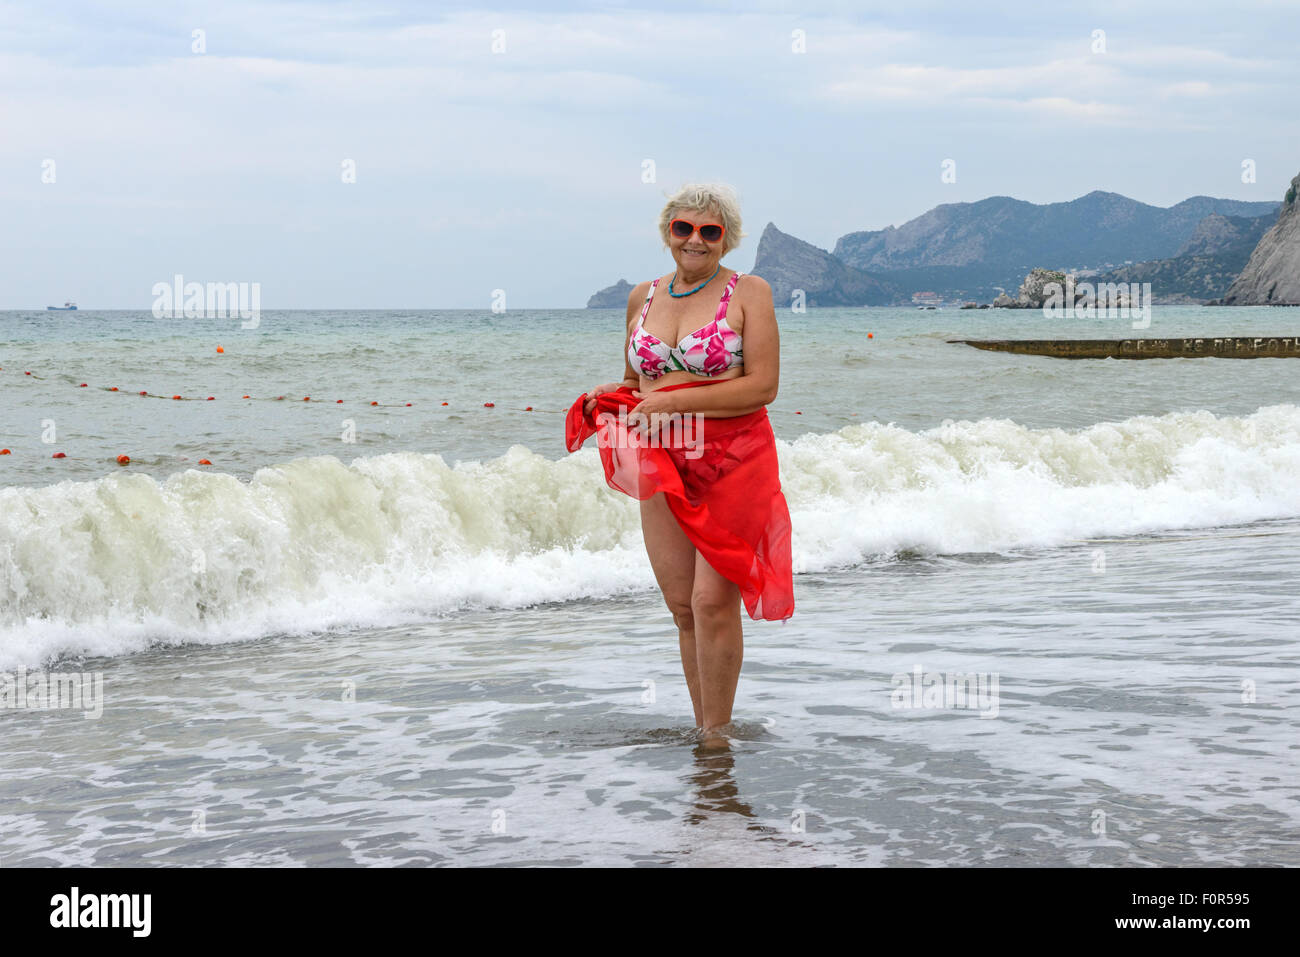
{"points": [[710, 234], [681, 228]]}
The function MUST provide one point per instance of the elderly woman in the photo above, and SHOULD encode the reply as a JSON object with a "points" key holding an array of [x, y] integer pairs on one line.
{"points": [[687, 433]]}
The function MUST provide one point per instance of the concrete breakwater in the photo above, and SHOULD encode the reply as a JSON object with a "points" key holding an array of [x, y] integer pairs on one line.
{"points": [[1223, 347]]}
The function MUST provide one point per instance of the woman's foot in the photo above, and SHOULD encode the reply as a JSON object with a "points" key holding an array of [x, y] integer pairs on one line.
{"points": [[715, 737]]}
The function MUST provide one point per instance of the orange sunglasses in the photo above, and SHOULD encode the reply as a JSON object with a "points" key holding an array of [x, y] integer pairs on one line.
{"points": [[709, 232]]}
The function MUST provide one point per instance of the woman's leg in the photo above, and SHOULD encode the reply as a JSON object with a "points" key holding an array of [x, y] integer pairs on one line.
{"points": [[719, 644], [672, 556]]}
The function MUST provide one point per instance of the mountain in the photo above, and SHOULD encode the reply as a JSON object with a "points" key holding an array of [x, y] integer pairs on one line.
{"points": [[1191, 251], [789, 264], [1000, 233], [1273, 273], [1217, 233], [1206, 264], [612, 297]]}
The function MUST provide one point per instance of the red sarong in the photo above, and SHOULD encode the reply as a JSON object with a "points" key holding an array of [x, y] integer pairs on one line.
{"points": [[721, 483]]}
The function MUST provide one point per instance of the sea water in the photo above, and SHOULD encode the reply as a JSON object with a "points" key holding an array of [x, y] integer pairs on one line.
{"points": [[426, 634]]}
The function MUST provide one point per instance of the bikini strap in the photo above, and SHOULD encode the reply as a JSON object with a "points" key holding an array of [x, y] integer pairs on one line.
{"points": [[726, 297], [648, 296]]}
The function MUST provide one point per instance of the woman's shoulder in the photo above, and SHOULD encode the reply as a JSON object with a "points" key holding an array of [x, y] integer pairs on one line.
{"points": [[750, 285], [754, 294]]}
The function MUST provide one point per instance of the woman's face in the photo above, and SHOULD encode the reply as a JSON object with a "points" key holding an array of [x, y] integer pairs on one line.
{"points": [[692, 254]]}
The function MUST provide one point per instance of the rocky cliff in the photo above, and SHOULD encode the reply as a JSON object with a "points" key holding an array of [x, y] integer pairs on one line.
{"points": [[789, 264], [611, 297], [1032, 293], [1272, 276]]}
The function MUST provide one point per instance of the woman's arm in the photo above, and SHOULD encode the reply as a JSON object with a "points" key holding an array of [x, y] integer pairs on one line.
{"points": [[762, 354]]}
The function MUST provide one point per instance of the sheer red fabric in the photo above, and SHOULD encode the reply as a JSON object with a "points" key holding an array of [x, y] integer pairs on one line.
{"points": [[720, 479]]}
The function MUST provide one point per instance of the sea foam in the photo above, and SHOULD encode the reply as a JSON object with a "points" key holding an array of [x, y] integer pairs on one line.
{"points": [[115, 565]]}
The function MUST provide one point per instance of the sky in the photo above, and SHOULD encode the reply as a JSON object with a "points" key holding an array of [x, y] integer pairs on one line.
{"points": [[528, 148]]}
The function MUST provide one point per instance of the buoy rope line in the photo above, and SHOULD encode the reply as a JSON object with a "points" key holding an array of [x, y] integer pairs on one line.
{"points": [[247, 397], [145, 393]]}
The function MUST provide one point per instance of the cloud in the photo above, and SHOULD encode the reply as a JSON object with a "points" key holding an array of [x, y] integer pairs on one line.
{"points": [[449, 136]]}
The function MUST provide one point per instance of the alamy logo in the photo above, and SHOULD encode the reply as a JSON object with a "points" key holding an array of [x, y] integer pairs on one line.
{"points": [[43, 690], [102, 910], [936, 689], [213, 300], [1103, 300]]}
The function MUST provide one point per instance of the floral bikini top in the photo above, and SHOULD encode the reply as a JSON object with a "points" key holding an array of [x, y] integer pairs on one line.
{"points": [[709, 350]]}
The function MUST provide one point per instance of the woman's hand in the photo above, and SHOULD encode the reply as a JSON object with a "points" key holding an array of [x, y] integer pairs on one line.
{"points": [[591, 395], [652, 404]]}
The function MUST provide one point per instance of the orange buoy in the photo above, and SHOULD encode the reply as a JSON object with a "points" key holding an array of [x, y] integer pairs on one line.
{"points": [[220, 350], [212, 398], [113, 389], [244, 397], [444, 403], [58, 455], [338, 401], [142, 392], [26, 373], [306, 398], [204, 462], [82, 386], [489, 405], [868, 335], [124, 460], [5, 452], [408, 405], [374, 403], [798, 413], [528, 409]]}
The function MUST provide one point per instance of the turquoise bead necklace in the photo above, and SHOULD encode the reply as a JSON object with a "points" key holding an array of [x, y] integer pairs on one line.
{"points": [[679, 295]]}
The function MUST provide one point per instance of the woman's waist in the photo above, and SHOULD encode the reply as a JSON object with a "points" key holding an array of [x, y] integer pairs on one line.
{"points": [[677, 427], [671, 381], [719, 422]]}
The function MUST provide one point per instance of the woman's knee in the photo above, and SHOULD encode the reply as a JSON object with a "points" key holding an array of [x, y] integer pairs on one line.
{"points": [[683, 617], [711, 604]]}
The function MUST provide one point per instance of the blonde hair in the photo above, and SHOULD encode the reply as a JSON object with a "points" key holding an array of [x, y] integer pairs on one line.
{"points": [[700, 198]]}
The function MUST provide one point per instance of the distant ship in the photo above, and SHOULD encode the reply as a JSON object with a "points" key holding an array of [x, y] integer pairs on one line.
{"points": [[63, 308]]}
